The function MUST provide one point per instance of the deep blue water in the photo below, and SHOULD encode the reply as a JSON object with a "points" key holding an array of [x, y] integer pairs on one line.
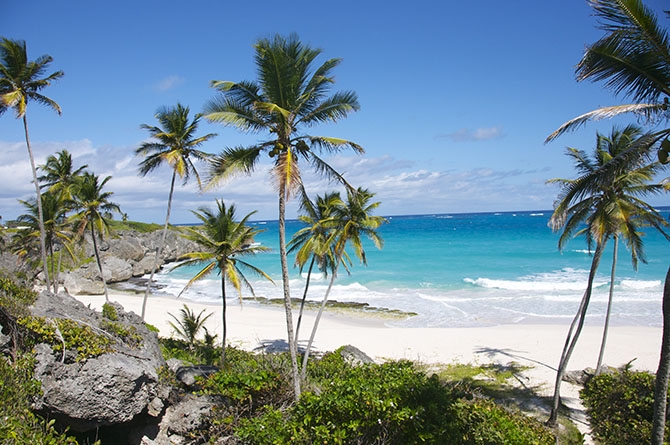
{"points": [[468, 270]]}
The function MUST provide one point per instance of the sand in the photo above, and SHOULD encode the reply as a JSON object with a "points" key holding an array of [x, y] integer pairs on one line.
{"points": [[535, 346]]}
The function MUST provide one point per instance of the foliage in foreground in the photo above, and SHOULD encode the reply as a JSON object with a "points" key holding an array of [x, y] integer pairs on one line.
{"points": [[18, 424], [620, 406], [392, 403]]}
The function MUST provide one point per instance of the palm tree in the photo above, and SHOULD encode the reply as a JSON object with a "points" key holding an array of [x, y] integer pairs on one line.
{"points": [[20, 82], [94, 208], [188, 325], [605, 202], [60, 176], [349, 222], [224, 240], [311, 242], [289, 96], [26, 241], [175, 144], [633, 58]]}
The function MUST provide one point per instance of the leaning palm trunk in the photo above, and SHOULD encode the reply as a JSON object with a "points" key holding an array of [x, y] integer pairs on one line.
{"points": [[318, 319], [663, 372], [601, 356], [161, 246], [304, 298], [40, 214], [97, 258], [571, 340], [293, 350]]}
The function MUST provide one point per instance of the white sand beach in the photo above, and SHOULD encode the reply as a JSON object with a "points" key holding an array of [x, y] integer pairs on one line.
{"points": [[536, 346]]}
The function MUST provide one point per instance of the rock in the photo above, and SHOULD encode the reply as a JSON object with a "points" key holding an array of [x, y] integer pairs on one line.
{"points": [[84, 280], [188, 374], [186, 416], [117, 269], [354, 356], [110, 389]]}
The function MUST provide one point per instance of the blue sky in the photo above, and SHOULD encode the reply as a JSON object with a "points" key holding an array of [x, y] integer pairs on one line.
{"points": [[456, 97]]}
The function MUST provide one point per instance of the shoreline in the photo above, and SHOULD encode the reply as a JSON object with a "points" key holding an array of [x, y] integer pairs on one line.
{"points": [[536, 346]]}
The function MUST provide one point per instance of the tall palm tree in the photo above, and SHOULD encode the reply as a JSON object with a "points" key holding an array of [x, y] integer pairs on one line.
{"points": [[349, 223], [224, 241], [604, 201], [290, 95], [20, 82], [173, 143], [633, 59], [311, 243], [93, 210]]}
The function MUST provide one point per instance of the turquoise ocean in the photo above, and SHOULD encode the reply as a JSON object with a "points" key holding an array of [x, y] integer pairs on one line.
{"points": [[460, 270]]}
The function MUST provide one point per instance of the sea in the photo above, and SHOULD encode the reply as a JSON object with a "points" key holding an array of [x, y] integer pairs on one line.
{"points": [[463, 270]]}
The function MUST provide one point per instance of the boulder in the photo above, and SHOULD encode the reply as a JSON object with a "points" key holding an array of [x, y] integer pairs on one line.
{"points": [[110, 389], [117, 269], [188, 374], [83, 281]]}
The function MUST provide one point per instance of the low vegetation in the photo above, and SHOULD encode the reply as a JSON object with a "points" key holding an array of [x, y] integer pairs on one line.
{"points": [[620, 406]]}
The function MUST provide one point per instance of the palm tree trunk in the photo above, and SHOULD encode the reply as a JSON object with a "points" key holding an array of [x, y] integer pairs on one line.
{"points": [[304, 297], [601, 356], [97, 257], [318, 319], [40, 214], [57, 275], [663, 372], [293, 350], [570, 343], [159, 251], [223, 315]]}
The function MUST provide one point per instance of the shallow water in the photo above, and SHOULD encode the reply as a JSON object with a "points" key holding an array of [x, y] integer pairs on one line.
{"points": [[468, 270]]}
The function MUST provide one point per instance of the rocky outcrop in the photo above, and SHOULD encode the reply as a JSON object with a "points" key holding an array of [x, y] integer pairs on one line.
{"points": [[125, 255], [110, 389]]}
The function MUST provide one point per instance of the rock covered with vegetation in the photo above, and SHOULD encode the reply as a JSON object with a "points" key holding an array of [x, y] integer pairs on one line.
{"points": [[105, 369]]}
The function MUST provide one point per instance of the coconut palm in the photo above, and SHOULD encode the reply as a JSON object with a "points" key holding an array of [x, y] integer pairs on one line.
{"points": [[224, 241], [604, 202], [633, 58], [173, 143], [59, 174], [20, 82], [93, 210], [311, 243], [188, 325], [348, 224], [290, 95], [26, 242]]}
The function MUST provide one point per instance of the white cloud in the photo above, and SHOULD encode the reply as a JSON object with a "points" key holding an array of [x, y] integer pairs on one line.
{"points": [[168, 83], [478, 134], [401, 185]]}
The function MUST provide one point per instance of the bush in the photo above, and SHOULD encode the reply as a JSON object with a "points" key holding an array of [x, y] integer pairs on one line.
{"points": [[18, 424], [65, 333], [392, 403], [620, 406]]}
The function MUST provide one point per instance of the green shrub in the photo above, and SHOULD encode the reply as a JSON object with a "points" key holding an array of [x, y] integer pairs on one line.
{"points": [[18, 424], [620, 406], [392, 403], [59, 332], [16, 298], [109, 312], [127, 334]]}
